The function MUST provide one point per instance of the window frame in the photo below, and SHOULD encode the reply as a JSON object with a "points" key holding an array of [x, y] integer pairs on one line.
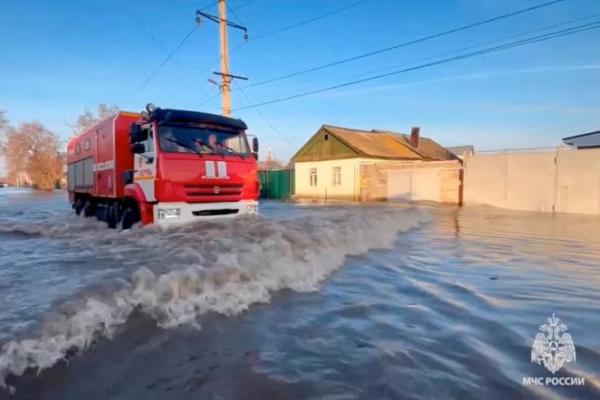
{"points": [[336, 176], [313, 173]]}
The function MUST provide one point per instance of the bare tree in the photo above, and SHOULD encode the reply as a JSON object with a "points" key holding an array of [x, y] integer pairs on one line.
{"points": [[4, 126], [32, 152], [3, 121], [88, 118]]}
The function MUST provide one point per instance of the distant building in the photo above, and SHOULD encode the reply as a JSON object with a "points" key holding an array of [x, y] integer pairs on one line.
{"points": [[588, 140], [329, 165]]}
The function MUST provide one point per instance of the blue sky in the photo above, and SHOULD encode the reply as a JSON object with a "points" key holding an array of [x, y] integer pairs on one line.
{"points": [[61, 56]]}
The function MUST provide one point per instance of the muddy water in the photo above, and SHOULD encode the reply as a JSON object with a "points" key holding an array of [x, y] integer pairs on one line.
{"points": [[340, 302]]}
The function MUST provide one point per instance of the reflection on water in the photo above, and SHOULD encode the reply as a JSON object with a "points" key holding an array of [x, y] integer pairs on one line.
{"points": [[448, 311]]}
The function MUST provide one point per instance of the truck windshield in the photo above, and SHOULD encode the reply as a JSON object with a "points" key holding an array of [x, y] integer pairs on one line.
{"points": [[189, 139]]}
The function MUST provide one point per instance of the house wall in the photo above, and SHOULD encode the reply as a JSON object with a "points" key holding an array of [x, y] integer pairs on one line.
{"points": [[438, 181], [560, 180], [349, 188]]}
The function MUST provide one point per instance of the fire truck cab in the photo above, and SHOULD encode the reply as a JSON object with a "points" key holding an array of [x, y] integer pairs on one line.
{"points": [[163, 166]]}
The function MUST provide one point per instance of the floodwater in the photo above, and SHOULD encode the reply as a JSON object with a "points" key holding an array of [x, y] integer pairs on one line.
{"points": [[302, 302]]}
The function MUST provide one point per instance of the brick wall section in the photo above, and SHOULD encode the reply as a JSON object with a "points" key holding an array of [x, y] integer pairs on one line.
{"points": [[373, 183], [438, 181]]}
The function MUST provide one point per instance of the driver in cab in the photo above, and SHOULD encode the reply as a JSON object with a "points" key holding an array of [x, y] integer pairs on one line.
{"points": [[212, 145]]}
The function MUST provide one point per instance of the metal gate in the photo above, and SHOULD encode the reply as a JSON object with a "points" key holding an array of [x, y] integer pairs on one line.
{"points": [[276, 184]]}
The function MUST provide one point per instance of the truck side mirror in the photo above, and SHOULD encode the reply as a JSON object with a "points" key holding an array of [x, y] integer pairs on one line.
{"points": [[254, 145], [138, 148], [137, 134]]}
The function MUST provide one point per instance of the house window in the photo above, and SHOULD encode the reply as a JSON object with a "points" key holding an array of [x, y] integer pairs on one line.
{"points": [[78, 148], [313, 177], [337, 176], [87, 145]]}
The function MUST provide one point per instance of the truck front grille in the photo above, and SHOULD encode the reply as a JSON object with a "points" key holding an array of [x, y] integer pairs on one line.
{"points": [[200, 193]]}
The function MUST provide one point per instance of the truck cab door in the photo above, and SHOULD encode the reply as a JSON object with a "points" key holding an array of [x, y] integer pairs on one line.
{"points": [[144, 164]]}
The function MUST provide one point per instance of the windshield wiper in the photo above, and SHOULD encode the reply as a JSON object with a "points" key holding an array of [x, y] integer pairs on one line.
{"points": [[213, 149], [185, 146], [234, 151], [221, 145], [201, 143]]}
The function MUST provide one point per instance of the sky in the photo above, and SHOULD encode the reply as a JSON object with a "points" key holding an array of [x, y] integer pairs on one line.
{"points": [[62, 56]]}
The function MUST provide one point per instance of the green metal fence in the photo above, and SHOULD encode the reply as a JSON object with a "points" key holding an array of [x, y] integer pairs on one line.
{"points": [[276, 184]]}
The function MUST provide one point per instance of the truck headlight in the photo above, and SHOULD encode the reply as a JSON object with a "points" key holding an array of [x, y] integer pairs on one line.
{"points": [[251, 208], [169, 213]]}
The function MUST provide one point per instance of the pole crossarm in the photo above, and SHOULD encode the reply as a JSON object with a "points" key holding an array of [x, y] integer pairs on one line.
{"points": [[231, 76], [226, 77], [216, 19]]}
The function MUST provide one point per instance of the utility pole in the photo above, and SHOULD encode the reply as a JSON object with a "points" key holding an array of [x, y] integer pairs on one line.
{"points": [[226, 77]]}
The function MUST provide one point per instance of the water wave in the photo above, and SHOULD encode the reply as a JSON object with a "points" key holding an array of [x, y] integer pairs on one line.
{"points": [[191, 270]]}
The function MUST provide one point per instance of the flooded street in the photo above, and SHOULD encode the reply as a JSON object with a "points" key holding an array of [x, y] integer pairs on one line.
{"points": [[336, 302]]}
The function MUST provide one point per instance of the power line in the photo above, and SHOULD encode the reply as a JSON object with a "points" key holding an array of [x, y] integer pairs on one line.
{"points": [[237, 18], [258, 111], [301, 23], [141, 24], [529, 32], [166, 60], [214, 96], [232, 11], [278, 30], [518, 43], [245, 4], [148, 32], [211, 4], [408, 43], [267, 121], [193, 3], [308, 21]]}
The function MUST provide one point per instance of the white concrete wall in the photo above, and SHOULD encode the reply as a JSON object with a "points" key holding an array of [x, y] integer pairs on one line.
{"points": [[578, 181], [561, 180], [349, 188]]}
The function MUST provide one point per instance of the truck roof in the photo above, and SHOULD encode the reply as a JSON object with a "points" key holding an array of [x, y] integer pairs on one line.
{"points": [[104, 120], [170, 115]]}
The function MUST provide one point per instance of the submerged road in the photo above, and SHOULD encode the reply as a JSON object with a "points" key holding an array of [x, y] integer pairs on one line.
{"points": [[302, 302]]}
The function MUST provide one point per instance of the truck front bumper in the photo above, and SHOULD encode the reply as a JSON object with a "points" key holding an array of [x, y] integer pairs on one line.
{"points": [[176, 213]]}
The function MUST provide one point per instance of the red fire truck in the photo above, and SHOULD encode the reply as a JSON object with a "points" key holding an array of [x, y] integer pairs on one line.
{"points": [[163, 166]]}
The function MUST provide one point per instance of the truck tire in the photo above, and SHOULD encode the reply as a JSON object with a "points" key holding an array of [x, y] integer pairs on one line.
{"points": [[88, 209], [130, 218], [78, 206], [112, 219]]}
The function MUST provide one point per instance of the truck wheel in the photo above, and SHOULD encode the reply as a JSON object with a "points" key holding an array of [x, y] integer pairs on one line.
{"points": [[112, 216], [101, 213], [78, 206], [130, 217], [88, 209]]}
